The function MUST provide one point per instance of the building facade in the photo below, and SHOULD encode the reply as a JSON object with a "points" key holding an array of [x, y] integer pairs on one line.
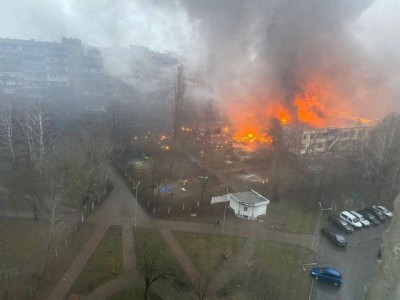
{"points": [[32, 69], [322, 140], [247, 205]]}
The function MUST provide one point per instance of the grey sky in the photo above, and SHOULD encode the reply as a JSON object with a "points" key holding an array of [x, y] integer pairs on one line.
{"points": [[241, 44]]}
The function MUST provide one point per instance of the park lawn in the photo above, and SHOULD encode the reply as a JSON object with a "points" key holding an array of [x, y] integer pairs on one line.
{"points": [[205, 250], [150, 240], [105, 263], [22, 242], [133, 294], [277, 273], [297, 217]]}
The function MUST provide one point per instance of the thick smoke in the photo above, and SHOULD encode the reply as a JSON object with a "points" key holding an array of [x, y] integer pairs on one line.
{"points": [[267, 51], [253, 52]]}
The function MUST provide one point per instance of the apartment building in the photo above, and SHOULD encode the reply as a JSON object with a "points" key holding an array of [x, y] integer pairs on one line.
{"points": [[313, 141]]}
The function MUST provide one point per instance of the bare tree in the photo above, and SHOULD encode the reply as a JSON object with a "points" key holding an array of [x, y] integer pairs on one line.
{"points": [[150, 269], [38, 135], [8, 136], [52, 202], [25, 181], [382, 152], [27, 130]]}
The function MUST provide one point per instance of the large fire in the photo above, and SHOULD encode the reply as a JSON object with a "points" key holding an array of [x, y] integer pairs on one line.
{"points": [[318, 105]]}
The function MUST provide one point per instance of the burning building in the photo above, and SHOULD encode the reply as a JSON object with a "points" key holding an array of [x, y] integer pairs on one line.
{"points": [[322, 140]]}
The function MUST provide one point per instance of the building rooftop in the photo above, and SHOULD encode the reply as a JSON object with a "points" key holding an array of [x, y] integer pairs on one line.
{"points": [[249, 197]]}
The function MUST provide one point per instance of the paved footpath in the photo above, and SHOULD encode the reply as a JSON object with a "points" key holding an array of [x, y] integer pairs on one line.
{"points": [[187, 265], [73, 271], [119, 209]]}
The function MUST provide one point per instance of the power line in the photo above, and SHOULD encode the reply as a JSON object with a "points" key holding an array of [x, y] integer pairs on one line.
{"points": [[122, 18]]}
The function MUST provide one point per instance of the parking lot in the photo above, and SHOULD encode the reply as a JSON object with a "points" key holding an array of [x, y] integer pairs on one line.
{"points": [[357, 263]]}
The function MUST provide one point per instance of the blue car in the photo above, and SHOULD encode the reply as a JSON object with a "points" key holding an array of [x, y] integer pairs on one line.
{"points": [[327, 274]]}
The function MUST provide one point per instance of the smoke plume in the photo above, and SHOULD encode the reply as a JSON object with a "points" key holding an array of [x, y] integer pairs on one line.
{"points": [[264, 52]]}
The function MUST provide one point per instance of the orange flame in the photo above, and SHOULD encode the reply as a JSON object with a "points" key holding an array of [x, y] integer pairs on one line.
{"points": [[318, 105]]}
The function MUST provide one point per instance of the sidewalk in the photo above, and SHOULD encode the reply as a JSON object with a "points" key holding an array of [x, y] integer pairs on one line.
{"points": [[119, 209], [187, 265], [76, 267]]}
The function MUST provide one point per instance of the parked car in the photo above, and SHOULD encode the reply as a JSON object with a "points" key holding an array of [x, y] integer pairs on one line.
{"points": [[370, 217], [349, 218], [341, 224], [327, 274], [377, 214], [383, 210], [363, 221], [337, 239]]}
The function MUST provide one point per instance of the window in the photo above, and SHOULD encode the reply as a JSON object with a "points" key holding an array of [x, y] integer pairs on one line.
{"points": [[245, 208]]}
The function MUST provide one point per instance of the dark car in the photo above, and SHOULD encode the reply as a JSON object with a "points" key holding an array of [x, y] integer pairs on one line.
{"points": [[340, 224], [327, 274], [370, 217], [377, 214], [335, 238]]}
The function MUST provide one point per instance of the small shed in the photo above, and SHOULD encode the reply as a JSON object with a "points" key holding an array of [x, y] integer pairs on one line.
{"points": [[248, 205]]}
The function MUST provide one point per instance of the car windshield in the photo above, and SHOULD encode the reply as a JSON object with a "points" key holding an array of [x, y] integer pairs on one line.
{"points": [[329, 272], [383, 209], [340, 238]]}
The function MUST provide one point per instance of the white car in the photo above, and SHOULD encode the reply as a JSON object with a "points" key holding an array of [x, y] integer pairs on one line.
{"points": [[383, 210], [363, 221], [353, 220]]}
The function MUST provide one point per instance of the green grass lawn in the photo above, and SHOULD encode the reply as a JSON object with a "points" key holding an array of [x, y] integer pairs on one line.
{"points": [[105, 263], [297, 218], [22, 243], [133, 294], [151, 240], [20, 239], [205, 250], [276, 274]]}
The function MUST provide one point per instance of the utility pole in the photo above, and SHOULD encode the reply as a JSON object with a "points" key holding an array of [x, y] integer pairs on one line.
{"points": [[223, 223], [136, 200]]}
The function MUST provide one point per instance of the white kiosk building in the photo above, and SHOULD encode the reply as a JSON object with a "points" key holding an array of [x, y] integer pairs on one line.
{"points": [[248, 205]]}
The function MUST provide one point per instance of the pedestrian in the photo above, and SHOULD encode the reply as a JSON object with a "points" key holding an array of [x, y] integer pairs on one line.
{"points": [[219, 222]]}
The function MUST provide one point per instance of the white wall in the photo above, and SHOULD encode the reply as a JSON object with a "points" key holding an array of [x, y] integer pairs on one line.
{"points": [[252, 211]]}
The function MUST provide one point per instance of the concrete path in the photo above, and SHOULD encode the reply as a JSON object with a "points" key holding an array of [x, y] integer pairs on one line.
{"points": [[119, 209], [76, 267], [187, 265]]}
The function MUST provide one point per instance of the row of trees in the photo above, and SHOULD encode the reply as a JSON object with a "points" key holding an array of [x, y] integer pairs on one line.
{"points": [[56, 171]]}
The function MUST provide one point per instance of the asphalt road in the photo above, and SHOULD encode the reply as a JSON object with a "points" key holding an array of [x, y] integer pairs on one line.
{"points": [[357, 263]]}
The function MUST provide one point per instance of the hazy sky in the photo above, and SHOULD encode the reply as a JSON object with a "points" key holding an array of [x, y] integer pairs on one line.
{"points": [[242, 44]]}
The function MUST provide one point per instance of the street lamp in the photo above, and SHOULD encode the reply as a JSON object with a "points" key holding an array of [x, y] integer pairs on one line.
{"points": [[136, 200], [265, 181]]}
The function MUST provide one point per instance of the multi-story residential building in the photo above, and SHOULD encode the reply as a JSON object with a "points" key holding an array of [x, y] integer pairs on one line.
{"points": [[313, 141], [33, 69], [46, 70]]}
